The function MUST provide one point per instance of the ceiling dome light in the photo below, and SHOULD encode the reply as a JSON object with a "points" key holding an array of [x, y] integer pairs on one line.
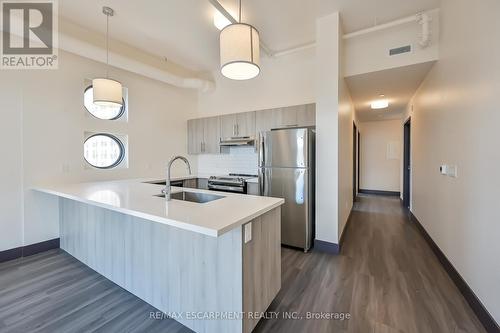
{"points": [[239, 51], [107, 91], [380, 103]]}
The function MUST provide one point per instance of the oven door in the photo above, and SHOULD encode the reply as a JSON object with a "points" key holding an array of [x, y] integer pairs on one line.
{"points": [[227, 187]]}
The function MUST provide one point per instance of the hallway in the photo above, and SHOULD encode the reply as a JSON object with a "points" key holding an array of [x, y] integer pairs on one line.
{"points": [[387, 278]]}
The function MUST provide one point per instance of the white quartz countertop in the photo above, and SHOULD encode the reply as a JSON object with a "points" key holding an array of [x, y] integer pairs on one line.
{"points": [[137, 198]]}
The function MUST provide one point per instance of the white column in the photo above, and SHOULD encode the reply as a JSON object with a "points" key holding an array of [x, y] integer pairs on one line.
{"points": [[327, 105]]}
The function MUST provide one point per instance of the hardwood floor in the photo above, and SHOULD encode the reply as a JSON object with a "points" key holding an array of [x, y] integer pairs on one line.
{"points": [[53, 292], [387, 279]]}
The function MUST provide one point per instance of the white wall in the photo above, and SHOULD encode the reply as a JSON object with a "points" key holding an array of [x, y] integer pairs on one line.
{"points": [[283, 81], [345, 159], [327, 120], [345, 143], [43, 139], [455, 121], [370, 52], [380, 171], [11, 166]]}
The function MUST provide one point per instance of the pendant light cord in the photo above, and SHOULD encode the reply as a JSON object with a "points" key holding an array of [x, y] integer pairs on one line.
{"points": [[239, 17], [107, 45]]}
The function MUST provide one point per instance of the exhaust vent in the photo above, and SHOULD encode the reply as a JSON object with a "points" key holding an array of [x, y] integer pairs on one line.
{"points": [[400, 50]]}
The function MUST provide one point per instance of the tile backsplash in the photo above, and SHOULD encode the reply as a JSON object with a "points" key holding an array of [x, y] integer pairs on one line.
{"points": [[239, 160]]}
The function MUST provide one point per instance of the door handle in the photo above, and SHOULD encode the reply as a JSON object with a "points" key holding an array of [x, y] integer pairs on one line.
{"points": [[261, 182]]}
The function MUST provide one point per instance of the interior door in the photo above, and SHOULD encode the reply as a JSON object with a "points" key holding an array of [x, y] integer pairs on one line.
{"points": [[292, 184], [406, 164], [285, 148]]}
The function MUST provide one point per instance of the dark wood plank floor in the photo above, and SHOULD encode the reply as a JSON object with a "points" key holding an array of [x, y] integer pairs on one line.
{"points": [[387, 279]]}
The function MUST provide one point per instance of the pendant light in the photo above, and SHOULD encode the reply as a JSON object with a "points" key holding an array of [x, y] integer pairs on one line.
{"points": [[107, 92], [239, 51]]}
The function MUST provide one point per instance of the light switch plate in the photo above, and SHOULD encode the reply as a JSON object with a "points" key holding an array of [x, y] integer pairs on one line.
{"points": [[452, 171], [443, 169], [248, 232]]}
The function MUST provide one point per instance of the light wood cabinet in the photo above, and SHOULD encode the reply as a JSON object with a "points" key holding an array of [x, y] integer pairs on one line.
{"points": [[195, 136], [203, 136], [253, 189], [291, 116], [306, 115], [237, 125]]}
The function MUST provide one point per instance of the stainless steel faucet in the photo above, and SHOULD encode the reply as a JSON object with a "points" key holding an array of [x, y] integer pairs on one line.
{"points": [[167, 190]]}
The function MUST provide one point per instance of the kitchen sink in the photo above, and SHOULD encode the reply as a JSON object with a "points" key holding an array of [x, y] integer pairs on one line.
{"points": [[193, 197]]}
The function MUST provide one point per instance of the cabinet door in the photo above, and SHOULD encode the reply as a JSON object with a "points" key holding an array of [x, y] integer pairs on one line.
{"points": [[211, 135], [195, 136], [286, 117], [253, 188], [228, 126], [306, 115], [190, 183], [203, 183], [264, 120], [245, 124]]}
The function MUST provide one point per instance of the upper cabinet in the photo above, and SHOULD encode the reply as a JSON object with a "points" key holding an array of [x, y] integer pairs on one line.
{"points": [[203, 136], [237, 125], [291, 116]]}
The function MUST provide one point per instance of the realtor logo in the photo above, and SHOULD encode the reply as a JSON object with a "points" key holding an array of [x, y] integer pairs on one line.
{"points": [[29, 34]]}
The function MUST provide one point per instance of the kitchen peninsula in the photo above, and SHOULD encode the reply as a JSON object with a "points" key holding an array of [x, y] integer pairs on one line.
{"points": [[210, 257]]}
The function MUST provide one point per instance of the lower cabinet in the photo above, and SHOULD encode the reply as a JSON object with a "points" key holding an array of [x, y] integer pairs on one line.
{"points": [[253, 189], [200, 183]]}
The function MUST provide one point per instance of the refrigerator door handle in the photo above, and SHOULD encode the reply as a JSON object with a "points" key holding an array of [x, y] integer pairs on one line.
{"points": [[261, 181], [262, 152]]}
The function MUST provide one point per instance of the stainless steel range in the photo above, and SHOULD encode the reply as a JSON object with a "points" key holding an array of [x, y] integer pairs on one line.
{"points": [[235, 183]]}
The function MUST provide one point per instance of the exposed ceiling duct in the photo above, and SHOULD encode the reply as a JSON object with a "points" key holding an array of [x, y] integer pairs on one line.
{"points": [[423, 19], [92, 51]]}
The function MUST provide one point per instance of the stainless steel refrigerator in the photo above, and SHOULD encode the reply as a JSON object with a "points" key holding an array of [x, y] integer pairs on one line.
{"points": [[286, 170]]}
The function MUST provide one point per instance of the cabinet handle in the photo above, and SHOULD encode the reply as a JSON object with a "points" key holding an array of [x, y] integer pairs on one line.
{"points": [[237, 129]]}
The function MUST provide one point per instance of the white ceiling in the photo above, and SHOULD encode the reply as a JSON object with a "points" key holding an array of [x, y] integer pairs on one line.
{"points": [[397, 84], [182, 30]]}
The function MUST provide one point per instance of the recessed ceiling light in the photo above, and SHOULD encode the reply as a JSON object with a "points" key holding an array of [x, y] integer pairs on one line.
{"points": [[380, 103], [220, 21]]}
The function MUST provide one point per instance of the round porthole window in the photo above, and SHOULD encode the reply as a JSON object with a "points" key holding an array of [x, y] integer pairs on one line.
{"points": [[105, 112], [103, 151]]}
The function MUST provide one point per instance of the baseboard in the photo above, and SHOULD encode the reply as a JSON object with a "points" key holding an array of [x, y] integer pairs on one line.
{"points": [[377, 192], [29, 250], [479, 309], [326, 247]]}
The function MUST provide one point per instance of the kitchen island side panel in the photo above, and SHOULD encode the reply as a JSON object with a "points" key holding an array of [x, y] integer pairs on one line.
{"points": [[172, 269]]}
